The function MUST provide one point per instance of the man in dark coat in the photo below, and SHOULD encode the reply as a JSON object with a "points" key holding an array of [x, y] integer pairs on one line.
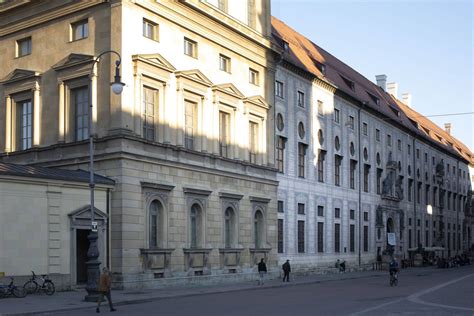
{"points": [[105, 282], [262, 270], [286, 270]]}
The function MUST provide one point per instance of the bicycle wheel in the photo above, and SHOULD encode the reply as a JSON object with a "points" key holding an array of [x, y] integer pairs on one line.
{"points": [[19, 292], [49, 288], [30, 287]]}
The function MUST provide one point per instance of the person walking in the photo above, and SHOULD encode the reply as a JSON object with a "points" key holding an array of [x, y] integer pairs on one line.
{"points": [[262, 270], [105, 281], [286, 270]]}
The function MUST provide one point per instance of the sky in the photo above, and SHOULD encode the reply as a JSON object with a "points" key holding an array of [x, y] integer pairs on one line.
{"points": [[426, 46]]}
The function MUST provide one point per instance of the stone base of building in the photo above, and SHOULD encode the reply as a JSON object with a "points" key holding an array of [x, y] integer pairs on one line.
{"points": [[149, 280]]}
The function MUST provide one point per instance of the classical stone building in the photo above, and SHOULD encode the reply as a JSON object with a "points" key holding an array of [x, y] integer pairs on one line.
{"points": [[357, 165], [186, 142]]}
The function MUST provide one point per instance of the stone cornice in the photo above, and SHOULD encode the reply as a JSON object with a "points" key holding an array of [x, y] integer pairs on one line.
{"points": [[259, 199], [196, 191], [157, 186], [47, 16], [225, 195]]}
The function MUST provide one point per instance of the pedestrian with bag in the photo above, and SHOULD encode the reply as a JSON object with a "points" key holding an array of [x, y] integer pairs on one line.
{"points": [[105, 282], [262, 270], [286, 271]]}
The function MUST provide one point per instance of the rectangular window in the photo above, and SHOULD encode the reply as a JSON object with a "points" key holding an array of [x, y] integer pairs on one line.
{"points": [[378, 180], [351, 214], [279, 89], [280, 158], [426, 157], [280, 207], [25, 124], [399, 144], [190, 47], [336, 116], [320, 237], [427, 194], [301, 159], [366, 216], [253, 139], [350, 122], [23, 47], [366, 238], [352, 238], [224, 63], [80, 99], [301, 99], [365, 129], [148, 113], [417, 153], [80, 30], [321, 157], [337, 170], [389, 140], [366, 177], [320, 107], [301, 208], [280, 236], [352, 172], [190, 124], [418, 193], [377, 134], [337, 212], [253, 76], [337, 239], [409, 239], [320, 210], [300, 236], [224, 133], [410, 189], [409, 149]]}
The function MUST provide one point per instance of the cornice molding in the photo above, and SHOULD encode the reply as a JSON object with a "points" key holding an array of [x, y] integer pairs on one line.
{"points": [[47, 16]]}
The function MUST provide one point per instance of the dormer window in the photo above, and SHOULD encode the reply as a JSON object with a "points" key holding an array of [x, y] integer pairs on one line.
{"points": [[374, 98], [286, 47], [349, 83]]}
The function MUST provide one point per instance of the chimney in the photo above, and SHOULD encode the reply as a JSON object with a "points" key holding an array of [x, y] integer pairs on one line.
{"points": [[381, 81], [447, 128], [392, 88], [406, 98]]}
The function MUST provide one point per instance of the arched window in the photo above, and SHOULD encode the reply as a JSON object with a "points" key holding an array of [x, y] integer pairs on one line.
{"points": [[196, 226], [258, 229], [229, 227], [156, 224]]}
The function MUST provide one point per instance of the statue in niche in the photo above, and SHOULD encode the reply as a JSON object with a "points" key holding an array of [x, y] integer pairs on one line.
{"points": [[440, 169], [399, 188], [387, 184], [379, 216], [402, 221], [389, 157]]}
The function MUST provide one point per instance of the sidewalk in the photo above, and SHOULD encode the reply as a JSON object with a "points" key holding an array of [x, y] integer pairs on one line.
{"points": [[73, 300]]}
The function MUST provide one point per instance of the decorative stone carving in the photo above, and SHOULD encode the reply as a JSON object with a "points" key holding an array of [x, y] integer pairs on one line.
{"points": [[399, 188]]}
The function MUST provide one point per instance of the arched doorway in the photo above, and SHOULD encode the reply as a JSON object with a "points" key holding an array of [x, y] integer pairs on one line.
{"points": [[390, 230]]}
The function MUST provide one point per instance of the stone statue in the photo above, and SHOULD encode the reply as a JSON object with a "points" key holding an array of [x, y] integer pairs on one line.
{"points": [[379, 214], [387, 184], [399, 188]]}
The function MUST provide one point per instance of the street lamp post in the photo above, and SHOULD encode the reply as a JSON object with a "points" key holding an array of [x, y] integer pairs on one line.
{"points": [[93, 263]]}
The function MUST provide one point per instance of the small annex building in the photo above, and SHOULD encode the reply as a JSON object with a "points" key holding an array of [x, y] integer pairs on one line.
{"points": [[45, 219]]}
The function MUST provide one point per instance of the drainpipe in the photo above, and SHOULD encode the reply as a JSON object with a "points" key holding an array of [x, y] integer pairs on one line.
{"points": [[415, 197], [458, 208], [108, 227], [360, 186]]}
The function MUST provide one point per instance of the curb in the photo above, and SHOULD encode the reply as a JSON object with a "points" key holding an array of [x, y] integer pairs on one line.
{"points": [[164, 297]]}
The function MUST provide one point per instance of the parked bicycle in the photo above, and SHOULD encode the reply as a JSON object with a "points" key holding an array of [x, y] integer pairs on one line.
{"points": [[37, 284], [11, 289]]}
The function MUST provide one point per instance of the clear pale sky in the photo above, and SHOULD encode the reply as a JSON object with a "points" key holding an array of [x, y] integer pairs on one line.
{"points": [[426, 46]]}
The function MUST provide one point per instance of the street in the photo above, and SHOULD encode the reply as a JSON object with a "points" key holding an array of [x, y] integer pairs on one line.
{"points": [[420, 292]]}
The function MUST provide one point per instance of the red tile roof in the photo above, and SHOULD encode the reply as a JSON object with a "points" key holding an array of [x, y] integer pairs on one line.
{"points": [[310, 57]]}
